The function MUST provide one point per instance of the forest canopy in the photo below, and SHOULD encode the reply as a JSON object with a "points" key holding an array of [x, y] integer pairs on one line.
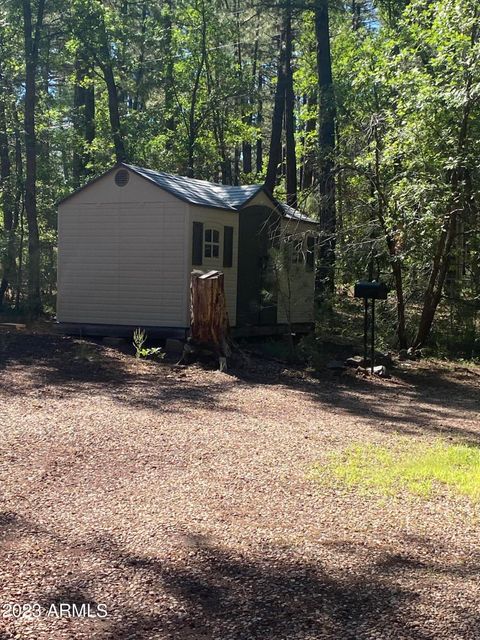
{"points": [[363, 114]]}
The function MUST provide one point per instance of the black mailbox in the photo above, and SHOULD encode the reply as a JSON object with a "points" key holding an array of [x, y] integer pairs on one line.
{"points": [[372, 290]]}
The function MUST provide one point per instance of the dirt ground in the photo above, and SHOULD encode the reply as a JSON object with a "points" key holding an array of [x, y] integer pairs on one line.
{"points": [[180, 500]]}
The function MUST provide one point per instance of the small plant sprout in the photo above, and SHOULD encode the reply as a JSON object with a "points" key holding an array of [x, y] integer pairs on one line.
{"points": [[139, 339]]}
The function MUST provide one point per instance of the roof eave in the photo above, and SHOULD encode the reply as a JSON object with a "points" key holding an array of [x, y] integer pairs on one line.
{"points": [[278, 205]]}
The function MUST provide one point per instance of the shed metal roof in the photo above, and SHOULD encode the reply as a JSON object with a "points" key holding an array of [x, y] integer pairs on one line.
{"points": [[200, 192], [295, 214], [206, 194], [211, 194]]}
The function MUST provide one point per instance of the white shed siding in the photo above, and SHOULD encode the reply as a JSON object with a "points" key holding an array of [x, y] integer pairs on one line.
{"points": [[125, 256], [122, 256], [218, 218]]}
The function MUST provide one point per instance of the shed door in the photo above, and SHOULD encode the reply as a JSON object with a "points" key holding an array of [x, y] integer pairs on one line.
{"points": [[254, 268]]}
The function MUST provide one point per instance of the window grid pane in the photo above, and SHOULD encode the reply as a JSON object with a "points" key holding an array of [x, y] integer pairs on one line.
{"points": [[211, 245]]}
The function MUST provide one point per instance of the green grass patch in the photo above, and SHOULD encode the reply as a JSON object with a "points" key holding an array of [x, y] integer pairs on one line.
{"points": [[418, 468]]}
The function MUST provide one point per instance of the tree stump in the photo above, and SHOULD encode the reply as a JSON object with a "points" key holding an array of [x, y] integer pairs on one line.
{"points": [[209, 324]]}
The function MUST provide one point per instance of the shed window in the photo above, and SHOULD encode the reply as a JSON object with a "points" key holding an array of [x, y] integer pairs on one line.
{"points": [[211, 245]]}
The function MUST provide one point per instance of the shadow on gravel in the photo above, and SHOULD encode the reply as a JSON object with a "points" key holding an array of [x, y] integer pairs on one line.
{"points": [[418, 402], [69, 366], [209, 592], [12, 526], [71, 594], [415, 556], [59, 360], [414, 403], [224, 596]]}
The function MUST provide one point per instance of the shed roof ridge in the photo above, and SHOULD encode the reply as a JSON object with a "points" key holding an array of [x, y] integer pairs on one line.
{"points": [[222, 192], [202, 192], [177, 175]]}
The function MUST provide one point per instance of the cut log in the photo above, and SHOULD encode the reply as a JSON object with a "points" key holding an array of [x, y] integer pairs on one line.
{"points": [[209, 324]]}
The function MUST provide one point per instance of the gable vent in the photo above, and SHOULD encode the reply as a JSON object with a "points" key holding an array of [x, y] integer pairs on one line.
{"points": [[121, 177]]}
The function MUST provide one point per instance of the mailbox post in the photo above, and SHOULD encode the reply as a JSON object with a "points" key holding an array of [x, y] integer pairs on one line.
{"points": [[370, 291]]}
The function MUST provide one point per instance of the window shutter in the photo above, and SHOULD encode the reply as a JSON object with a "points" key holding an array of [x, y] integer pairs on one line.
{"points": [[228, 246], [310, 260], [197, 243]]}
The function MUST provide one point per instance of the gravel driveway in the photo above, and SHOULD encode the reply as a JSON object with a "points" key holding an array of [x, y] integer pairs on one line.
{"points": [[178, 501]]}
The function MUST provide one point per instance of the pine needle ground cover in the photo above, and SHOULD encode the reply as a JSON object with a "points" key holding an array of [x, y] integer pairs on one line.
{"points": [[418, 468]]}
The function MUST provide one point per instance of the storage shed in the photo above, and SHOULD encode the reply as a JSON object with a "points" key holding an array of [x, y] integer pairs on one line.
{"points": [[129, 240]]}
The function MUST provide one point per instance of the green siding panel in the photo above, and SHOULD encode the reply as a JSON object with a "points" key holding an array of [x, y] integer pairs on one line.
{"points": [[253, 267]]}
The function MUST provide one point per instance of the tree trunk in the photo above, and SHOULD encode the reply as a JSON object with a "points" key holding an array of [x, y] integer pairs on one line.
{"points": [[275, 152], [395, 263], [191, 150], [137, 103], [401, 323], [168, 81], [308, 159], [18, 160], [78, 163], [113, 111], [247, 156], [434, 290], [291, 159], [31, 39], [193, 124], [357, 9], [21, 236], [259, 123], [236, 166], [325, 279], [247, 145], [83, 119], [441, 261], [8, 256], [19, 203], [226, 169], [89, 120], [443, 254], [244, 100]]}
